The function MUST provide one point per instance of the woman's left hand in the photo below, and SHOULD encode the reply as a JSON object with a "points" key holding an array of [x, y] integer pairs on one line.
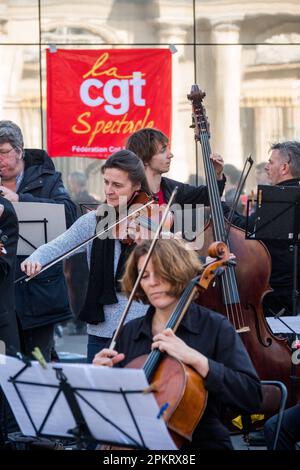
{"points": [[168, 342]]}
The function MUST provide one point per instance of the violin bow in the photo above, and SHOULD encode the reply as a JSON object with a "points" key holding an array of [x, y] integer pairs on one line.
{"points": [[138, 280], [85, 242], [239, 189]]}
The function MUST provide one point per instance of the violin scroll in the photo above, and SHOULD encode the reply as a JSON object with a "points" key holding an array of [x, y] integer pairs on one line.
{"points": [[143, 224]]}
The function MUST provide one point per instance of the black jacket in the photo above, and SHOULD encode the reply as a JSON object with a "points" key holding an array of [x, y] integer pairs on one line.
{"points": [[188, 194], [282, 257], [44, 299], [8, 324], [231, 381]]}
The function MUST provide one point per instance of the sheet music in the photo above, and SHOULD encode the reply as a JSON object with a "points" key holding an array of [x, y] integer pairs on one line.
{"points": [[34, 232], [111, 405], [278, 327], [36, 398]]}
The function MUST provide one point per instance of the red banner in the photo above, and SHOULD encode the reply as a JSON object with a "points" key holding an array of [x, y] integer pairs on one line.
{"points": [[97, 98]]}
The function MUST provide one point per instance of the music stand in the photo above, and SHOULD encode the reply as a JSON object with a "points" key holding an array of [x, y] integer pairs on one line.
{"points": [[277, 217], [57, 402], [86, 207]]}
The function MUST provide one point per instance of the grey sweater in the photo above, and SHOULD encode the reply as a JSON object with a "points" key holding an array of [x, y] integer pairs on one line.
{"points": [[80, 231]]}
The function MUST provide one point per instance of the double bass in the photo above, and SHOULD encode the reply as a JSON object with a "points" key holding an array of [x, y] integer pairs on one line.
{"points": [[240, 293]]}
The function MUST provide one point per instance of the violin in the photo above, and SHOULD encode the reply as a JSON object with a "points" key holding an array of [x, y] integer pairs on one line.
{"points": [[143, 223]]}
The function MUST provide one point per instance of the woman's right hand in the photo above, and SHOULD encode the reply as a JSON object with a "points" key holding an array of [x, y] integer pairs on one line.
{"points": [[108, 357], [31, 268]]}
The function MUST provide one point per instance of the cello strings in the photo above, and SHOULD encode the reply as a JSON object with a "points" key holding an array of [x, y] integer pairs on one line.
{"points": [[155, 354]]}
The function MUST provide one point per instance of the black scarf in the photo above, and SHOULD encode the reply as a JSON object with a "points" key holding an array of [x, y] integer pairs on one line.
{"points": [[103, 284]]}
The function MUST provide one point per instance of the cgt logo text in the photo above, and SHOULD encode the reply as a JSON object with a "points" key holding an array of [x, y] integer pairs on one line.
{"points": [[120, 99], [118, 95]]}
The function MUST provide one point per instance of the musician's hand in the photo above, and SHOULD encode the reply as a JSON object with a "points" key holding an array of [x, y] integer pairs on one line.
{"points": [[209, 259], [31, 268], [168, 342], [9, 194], [107, 357], [218, 163]]}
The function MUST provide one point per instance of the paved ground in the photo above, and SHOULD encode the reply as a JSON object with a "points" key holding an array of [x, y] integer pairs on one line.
{"points": [[71, 347]]}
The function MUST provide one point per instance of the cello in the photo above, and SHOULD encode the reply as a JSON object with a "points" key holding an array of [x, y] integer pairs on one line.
{"points": [[240, 292]]}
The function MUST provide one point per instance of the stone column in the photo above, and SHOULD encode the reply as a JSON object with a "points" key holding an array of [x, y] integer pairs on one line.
{"points": [[226, 134], [269, 128], [183, 163]]}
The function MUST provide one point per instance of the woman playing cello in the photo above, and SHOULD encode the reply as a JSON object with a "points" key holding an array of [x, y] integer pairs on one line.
{"points": [[205, 340]]}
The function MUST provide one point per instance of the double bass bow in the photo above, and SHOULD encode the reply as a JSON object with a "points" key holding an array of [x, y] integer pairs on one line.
{"points": [[241, 290]]}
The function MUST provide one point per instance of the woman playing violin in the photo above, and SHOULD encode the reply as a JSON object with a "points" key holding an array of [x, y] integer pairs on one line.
{"points": [[205, 340], [123, 175]]}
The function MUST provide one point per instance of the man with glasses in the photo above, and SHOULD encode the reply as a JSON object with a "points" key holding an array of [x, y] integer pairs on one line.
{"points": [[282, 169], [29, 175]]}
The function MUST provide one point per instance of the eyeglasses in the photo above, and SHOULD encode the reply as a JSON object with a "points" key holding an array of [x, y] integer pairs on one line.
{"points": [[6, 152]]}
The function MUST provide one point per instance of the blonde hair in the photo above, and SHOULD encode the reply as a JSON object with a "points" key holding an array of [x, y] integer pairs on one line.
{"points": [[172, 262]]}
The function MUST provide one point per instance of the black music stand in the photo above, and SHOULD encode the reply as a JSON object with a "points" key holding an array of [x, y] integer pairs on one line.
{"points": [[81, 431], [277, 217]]}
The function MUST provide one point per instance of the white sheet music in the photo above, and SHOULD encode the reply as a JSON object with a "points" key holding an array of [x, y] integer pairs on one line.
{"points": [[277, 326], [34, 232], [111, 405]]}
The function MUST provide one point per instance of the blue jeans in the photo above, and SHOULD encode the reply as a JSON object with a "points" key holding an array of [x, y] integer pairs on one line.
{"points": [[95, 344], [289, 434]]}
